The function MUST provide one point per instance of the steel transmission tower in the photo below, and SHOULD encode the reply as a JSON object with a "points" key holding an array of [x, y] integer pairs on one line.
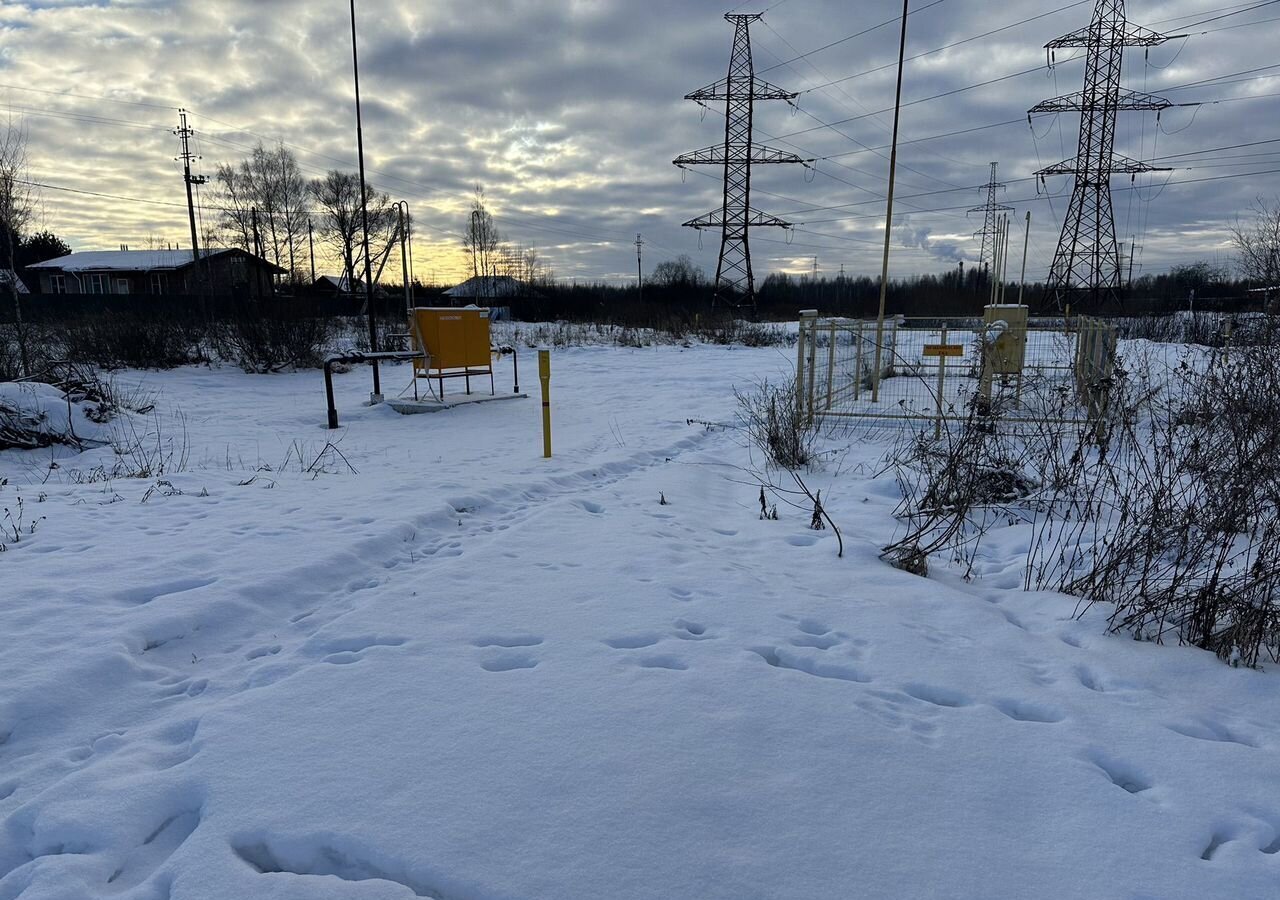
{"points": [[991, 218], [1086, 264], [740, 89]]}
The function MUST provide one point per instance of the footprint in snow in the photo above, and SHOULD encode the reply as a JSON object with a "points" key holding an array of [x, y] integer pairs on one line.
{"points": [[513, 640], [507, 662], [687, 630], [662, 661], [633, 641]]}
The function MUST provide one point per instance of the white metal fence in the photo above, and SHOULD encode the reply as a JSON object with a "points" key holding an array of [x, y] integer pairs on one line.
{"points": [[904, 370]]}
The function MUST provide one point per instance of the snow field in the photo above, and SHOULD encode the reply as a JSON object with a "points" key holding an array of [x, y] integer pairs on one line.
{"points": [[468, 673]]}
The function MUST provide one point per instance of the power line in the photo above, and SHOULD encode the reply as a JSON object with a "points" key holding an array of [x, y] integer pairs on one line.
{"points": [[18, 87], [856, 34], [1040, 197], [950, 45], [1228, 15], [950, 93]]}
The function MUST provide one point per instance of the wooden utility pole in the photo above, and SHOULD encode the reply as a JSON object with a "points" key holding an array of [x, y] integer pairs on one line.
{"points": [[311, 249], [639, 268], [184, 133]]}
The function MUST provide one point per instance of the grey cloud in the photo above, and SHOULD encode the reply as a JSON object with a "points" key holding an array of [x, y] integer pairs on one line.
{"points": [[575, 107]]}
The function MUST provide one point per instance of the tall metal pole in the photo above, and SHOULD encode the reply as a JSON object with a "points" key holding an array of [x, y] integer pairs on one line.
{"points": [[404, 256], [376, 396], [1004, 258], [408, 232], [888, 216], [1026, 239], [993, 289], [476, 241]]}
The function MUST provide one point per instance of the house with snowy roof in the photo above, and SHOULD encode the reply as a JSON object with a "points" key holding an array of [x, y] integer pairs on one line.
{"points": [[231, 272], [337, 284], [488, 287]]}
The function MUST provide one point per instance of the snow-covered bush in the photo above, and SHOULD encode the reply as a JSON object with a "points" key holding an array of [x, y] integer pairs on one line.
{"points": [[34, 415]]}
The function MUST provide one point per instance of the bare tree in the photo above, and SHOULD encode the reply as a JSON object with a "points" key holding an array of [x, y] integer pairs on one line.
{"points": [[15, 217], [1258, 243], [235, 224], [270, 183], [483, 241], [337, 195], [678, 272]]}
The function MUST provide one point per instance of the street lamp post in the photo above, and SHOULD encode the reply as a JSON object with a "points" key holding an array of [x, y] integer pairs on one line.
{"points": [[376, 396], [406, 252]]}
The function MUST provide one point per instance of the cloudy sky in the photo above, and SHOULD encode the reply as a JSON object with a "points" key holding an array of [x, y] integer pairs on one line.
{"points": [[569, 113]]}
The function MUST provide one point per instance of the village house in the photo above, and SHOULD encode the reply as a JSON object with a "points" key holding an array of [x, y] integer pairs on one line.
{"points": [[221, 273]]}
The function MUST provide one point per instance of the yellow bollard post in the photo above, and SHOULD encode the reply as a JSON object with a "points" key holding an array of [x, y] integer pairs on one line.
{"points": [[544, 375]]}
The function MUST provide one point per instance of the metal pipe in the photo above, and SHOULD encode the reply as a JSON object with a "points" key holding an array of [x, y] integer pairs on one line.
{"points": [[371, 358], [1026, 239], [409, 235], [1004, 259]]}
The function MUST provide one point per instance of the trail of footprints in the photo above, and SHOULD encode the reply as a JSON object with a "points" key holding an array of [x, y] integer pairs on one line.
{"points": [[681, 629]]}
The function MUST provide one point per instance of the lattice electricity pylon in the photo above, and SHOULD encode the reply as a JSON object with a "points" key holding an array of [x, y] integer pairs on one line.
{"points": [[735, 282], [990, 210], [1086, 264]]}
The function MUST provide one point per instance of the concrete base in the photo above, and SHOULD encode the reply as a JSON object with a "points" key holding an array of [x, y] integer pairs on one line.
{"points": [[413, 407]]}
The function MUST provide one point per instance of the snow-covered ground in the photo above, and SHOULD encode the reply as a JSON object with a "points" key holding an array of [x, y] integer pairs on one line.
{"points": [[439, 665]]}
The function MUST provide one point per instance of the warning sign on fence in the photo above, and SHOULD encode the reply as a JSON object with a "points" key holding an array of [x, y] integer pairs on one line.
{"points": [[943, 350]]}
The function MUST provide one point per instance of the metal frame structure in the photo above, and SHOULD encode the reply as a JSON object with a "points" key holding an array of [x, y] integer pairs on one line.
{"points": [[990, 219], [938, 373], [740, 89], [1086, 264]]}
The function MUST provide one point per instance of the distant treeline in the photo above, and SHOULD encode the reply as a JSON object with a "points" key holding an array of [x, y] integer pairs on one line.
{"points": [[673, 303], [780, 297]]}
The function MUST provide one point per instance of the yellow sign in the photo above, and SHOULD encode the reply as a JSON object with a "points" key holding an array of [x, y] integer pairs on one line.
{"points": [[943, 350]]}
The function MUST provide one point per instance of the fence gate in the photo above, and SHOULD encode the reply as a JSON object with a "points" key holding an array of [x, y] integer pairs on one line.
{"points": [[931, 370]]}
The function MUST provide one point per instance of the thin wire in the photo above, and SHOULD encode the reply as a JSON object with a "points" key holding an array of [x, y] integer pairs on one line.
{"points": [[18, 87], [1228, 15], [856, 34], [950, 45]]}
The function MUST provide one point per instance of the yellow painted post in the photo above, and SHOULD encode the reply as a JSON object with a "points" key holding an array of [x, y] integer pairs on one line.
{"points": [[544, 375]]}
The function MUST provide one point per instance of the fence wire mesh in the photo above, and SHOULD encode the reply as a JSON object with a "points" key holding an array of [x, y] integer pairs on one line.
{"points": [[904, 369]]}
